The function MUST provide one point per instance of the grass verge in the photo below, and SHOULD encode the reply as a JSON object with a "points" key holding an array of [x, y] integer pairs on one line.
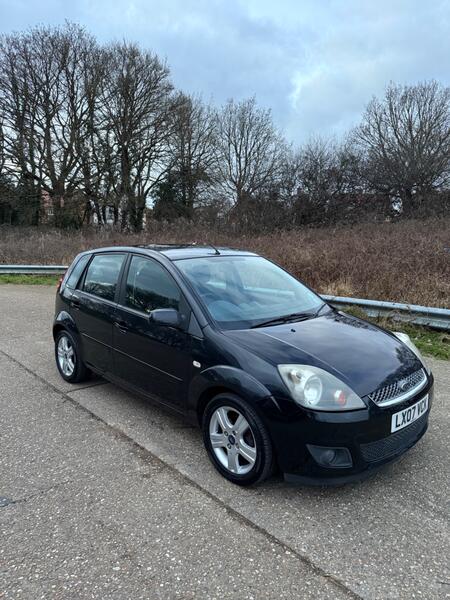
{"points": [[429, 341], [30, 279]]}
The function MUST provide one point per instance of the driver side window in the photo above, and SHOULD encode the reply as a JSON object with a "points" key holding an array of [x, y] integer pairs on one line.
{"points": [[149, 286]]}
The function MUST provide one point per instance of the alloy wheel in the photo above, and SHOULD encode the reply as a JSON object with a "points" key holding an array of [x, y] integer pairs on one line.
{"points": [[232, 440], [66, 356]]}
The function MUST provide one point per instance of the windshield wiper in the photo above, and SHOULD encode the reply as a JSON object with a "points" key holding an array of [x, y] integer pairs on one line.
{"points": [[284, 319], [300, 316], [319, 310]]}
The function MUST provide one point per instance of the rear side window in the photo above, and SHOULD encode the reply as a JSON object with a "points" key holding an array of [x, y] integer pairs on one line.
{"points": [[149, 286], [76, 272], [103, 274]]}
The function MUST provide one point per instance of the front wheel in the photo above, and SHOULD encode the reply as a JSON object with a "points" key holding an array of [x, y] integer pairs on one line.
{"points": [[68, 358], [237, 440]]}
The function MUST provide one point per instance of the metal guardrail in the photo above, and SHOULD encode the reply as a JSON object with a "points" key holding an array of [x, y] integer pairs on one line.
{"points": [[438, 318], [32, 269]]}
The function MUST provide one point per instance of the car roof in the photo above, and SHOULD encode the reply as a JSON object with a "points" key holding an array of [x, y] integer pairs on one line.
{"points": [[178, 251]]}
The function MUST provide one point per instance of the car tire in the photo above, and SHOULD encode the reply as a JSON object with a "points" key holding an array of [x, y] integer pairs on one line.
{"points": [[237, 440], [68, 358]]}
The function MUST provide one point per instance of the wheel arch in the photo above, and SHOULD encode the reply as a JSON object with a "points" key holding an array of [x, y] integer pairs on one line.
{"points": [[205, 397], [64, 320], [224, 379], [57, 327]]}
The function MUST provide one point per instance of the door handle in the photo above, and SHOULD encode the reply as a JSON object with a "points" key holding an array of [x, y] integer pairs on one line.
{"points": [[75, 302], [121, 326]]}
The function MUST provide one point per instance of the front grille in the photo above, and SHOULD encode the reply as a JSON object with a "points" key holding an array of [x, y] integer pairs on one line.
{"points": [[400, 390], [394, 443]]}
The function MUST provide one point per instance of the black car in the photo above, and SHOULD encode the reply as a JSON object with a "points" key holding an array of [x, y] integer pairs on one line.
{"points": [[276, 377]]}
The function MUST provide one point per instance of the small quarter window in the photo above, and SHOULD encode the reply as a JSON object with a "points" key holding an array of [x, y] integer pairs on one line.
{"points": [[103, 274], [149, 286], [76, 272]]}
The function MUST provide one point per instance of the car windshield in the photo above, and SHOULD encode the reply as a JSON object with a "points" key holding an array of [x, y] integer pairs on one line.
{"points": [[245, 291]]}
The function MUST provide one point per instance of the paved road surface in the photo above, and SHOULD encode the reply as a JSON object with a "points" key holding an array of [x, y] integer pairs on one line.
{"points": [[103, 495]]}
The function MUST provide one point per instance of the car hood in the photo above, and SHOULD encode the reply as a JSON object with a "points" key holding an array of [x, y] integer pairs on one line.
{"points": [[359, 353]]}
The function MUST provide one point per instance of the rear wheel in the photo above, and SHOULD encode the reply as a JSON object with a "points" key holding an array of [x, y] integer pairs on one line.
{"points": [[68, 359], [237, 440]]}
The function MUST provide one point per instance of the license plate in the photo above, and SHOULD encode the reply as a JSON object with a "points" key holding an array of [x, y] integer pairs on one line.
{"points": [[408, 415]]}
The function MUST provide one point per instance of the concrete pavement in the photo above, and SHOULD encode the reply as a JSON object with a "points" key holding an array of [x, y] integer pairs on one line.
{"points": [[386, 538]]}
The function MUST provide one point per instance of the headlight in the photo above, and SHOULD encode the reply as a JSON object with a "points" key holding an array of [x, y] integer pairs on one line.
{"points": [[404, 337], [317, 389]]}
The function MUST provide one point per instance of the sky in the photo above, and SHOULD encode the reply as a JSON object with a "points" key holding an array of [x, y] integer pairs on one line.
{"points": [[315, 64]]}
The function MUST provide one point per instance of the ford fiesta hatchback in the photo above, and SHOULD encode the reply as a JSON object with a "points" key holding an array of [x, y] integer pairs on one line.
{"points": [[275, 376]]}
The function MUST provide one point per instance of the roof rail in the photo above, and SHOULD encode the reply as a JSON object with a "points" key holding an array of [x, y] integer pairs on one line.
{"points": [[160, 246]]}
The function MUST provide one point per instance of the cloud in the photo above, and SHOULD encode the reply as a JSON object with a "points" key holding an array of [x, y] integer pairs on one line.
{"points": [[363, 46], [316, 64]]}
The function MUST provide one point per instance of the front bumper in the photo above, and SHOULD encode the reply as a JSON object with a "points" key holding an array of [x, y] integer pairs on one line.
{"points": [[365, 433]]}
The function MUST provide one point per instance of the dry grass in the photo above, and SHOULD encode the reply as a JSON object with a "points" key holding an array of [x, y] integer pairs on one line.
{"points": [[405, 261]]}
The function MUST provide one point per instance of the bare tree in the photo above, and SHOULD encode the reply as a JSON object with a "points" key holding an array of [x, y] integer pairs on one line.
{"points": [[84, 122], [135, 119], [319, 178], [16, 111], [405, 138], [43, 81], [91, 148], [192, 150], [95, 127], [2, 149], [44, 98], [249, 151], [325, 170], [289, 181]]}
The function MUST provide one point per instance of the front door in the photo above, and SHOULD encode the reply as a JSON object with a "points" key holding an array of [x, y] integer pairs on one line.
{"points": [[153, 357], [92, 307]]}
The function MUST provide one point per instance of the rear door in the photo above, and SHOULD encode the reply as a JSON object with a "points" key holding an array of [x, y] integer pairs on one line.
{"points": [[152, 357], [93, 304]]}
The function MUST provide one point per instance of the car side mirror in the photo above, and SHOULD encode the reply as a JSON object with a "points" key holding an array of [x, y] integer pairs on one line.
{"points": [[165, 316]]}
